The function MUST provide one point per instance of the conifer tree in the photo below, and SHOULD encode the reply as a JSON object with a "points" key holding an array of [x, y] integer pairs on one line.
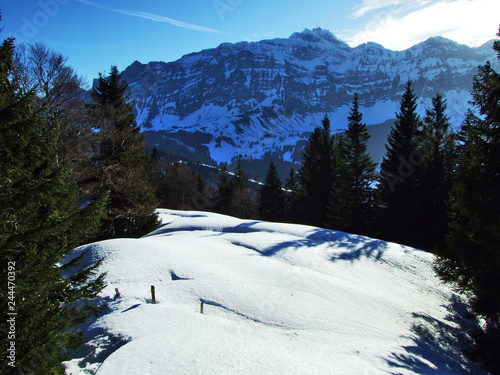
{"points": [[398, 198], [337, 204], [202, 199], [292, 188], [471, 259], [438, 150], [271, 199], [123, 167], [223, 199], [179, 187], [244, 200], [353, 196], [41, 220], [316, 175]]}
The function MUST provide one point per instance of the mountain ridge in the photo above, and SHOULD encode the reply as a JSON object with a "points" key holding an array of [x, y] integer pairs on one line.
{"points": [[251, 99]]}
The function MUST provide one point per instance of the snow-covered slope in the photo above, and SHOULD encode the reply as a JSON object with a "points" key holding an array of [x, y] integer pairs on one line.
{"points": [[278, 299], [249, 99]]}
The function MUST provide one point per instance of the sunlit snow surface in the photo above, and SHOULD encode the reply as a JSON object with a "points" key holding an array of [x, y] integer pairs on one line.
{"points": [[278, 299]]}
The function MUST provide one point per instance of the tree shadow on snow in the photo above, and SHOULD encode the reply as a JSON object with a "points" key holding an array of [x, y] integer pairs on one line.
{"points": [[351, 247], [242, 228], [438, 346], [100, 347], [99, 343]]}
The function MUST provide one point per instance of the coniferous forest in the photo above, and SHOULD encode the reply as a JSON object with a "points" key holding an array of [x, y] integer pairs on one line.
{"points": [[74, 169]]}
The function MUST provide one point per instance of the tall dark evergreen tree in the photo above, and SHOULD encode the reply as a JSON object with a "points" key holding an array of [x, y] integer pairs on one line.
{"points": [[471, 259], [202, 197], [398, 198], [244, 199], [41, 220], [292, 188], [122, 166], [271, 199], [353, 196], [223, 198], [179, 187], [337, 204], [316, 175], [438, 150]]}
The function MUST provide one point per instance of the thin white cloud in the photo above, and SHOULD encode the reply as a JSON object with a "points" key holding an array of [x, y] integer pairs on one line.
{"points": [[399, 26], [368, 6], [150, 16]]}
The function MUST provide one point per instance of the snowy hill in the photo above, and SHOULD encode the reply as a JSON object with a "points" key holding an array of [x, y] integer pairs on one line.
{"points": [[278, 299], [250, 99]]}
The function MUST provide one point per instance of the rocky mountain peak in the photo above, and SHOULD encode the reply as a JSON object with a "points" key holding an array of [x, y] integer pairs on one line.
{"points": [[318, 35], [252, 99]]}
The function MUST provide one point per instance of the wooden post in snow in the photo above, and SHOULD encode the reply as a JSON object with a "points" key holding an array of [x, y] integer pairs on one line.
{"points": [[117, 293], [201, 308], [153, 298]]}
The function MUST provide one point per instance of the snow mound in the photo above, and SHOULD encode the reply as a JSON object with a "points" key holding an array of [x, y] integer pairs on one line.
{"points": [[277, 299]]}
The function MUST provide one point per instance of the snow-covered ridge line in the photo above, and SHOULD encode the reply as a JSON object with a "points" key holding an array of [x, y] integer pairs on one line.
{"points": [[278, 299], [245, 92]]}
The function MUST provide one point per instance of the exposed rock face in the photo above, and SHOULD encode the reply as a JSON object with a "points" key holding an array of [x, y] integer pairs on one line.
{"points": [[248, 99]]}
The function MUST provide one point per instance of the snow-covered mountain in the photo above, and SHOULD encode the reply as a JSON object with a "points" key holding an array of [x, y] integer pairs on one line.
{"points": [[251, 98], [278, 299]]}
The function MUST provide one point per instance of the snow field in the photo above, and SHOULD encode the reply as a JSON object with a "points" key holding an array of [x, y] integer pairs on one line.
{"points": [[278, 299]]}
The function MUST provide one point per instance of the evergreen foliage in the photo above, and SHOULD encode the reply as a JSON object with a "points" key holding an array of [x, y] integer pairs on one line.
{"points": [[438, 152], [223, 199], [352, 205], [398, 192], [180, 188], [316, 176], [471, 259], [41, 220], [337, 204], [122, 166], [202, 194], [271, 199], [233, 196], [243, 202], [292, 188]]}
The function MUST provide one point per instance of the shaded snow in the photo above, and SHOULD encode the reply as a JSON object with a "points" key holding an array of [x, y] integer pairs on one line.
{"points": [[278, 299]]}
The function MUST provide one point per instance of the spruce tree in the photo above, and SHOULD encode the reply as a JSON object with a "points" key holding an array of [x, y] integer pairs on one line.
{"points": [[292, 188], [471, 259], [398, 198], [271, 199], [244, 200], [438, 150], [223, 199], [202, 197], [353, 196], [41, 220], [316, 175], [338, 201], [122, 166]]}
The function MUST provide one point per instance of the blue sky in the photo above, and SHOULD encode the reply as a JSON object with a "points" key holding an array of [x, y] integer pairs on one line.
{"points": [[95, 34]]}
